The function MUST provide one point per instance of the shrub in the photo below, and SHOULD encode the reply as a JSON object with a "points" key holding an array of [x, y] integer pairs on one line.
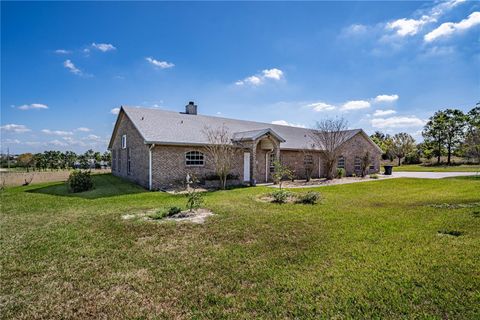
{"points": [[280, 196], [160, 214], [173, 210], [311, 197], [80, 181], [412, 158], [374, 176], [340, 173], [194, 200]]}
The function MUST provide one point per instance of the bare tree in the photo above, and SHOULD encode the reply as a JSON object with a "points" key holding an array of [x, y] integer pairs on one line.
{"points": [[329, 136], [221, 151], [308, 153]]}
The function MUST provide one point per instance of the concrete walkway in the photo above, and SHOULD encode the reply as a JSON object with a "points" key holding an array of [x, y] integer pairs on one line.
{"points": [[430, 175], [419, 175]]}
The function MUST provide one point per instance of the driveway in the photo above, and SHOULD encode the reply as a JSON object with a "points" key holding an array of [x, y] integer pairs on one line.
{"points": [[430, 175]]}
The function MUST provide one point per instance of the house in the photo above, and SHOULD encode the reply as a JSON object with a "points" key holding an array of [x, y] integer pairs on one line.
{"points": [[157, 149]]}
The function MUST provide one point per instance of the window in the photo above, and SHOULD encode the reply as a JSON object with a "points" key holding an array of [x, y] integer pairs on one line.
{"points": [[308, 160], [341, 162], [128, 161], [358, 164], [114, 159], [372, 164], [272, 160], [194, 158], [124, 141]]}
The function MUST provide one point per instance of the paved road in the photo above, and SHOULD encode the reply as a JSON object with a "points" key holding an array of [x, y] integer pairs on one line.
{"points": [[430, 175]]}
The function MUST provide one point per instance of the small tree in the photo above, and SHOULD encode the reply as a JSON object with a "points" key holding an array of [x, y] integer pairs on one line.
{"points": [[308, 162], [220, 151], [329, 136], [403, 144], [280, 172], [194, 199], [26, 160], [366, 161]]}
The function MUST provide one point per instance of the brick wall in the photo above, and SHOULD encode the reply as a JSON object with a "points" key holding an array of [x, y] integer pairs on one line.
{"points": [[358, 146], [138, 153], [169, 168]]}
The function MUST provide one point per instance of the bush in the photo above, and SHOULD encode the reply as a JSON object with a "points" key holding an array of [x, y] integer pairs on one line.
{"points": [[214, 177], [280, 196], [340, 173], [412, 158], [311, 197], [173, 210], [374, 176], [160, 214], [194, 200], [80, 181]]}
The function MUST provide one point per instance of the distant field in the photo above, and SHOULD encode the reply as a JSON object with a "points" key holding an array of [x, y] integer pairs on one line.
{"points": [[17, 178], [384, 249], [459, 168]]}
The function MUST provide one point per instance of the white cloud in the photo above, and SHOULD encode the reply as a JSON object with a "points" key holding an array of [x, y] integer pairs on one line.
{"points": [[57, 132], [386, 98], [397, 122], [356, 29], [83, 129], [290, 124], [58, 143], [259, 79], [160, 64], [33, 106], [115, 111], [71, 67], [62, 51], [408, 27], [11, 141], [274, 73], [356, 105], [17, 128], [321, 106], [382, 113], [104, 47], [92, 137], [449, 28]]}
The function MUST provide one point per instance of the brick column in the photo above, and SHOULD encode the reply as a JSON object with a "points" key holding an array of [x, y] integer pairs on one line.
{"points": [[253, 163]]}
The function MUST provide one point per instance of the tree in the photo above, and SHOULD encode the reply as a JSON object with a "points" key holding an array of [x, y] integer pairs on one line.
{"points": [[366, 161], [455, 123], [107, 158], [280, 171], [329, 136], [69, 159], [472, 138], [221, 151], [384, 142], [403, 144], [26, 160], [434, 132]]}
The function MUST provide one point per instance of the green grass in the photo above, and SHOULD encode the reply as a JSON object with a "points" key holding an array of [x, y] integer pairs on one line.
{"points": [[454, 168], [378, 249]]}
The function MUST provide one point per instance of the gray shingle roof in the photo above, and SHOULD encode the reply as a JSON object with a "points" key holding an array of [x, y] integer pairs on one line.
{"points": [[169, 127]]}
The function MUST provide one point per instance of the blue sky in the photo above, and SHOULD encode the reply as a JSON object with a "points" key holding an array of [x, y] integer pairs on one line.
{"points": [[66, 67]]}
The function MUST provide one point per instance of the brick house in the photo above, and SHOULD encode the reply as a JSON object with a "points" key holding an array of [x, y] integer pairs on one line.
{"points": [[157, 149]]}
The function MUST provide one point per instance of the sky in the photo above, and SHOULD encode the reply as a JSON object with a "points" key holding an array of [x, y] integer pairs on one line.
{"points": [[66, 67]]}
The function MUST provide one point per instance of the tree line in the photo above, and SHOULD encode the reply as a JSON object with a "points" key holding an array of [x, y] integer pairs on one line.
{"points": [[55, 160], [449, 132]]}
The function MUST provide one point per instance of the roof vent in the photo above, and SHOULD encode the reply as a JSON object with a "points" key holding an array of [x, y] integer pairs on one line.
{"points": [[191, 108]]}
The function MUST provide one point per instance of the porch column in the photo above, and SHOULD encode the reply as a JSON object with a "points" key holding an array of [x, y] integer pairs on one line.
{"points": [[253, 163]]}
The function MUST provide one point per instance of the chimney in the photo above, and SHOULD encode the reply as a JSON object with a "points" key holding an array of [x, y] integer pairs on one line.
{"points": [[191, 108]]}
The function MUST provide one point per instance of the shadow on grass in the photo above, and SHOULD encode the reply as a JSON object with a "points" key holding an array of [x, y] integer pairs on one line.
{"points": [[105, 185]]}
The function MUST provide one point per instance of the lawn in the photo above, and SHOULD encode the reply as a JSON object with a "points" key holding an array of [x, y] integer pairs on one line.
{"points": [[368, 250], [454, 168]]}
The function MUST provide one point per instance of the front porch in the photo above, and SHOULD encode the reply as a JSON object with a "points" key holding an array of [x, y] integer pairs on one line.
{"points": [[260, 149]]}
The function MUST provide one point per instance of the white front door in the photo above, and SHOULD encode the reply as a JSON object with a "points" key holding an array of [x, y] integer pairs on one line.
{"points": [[246, 166]]}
